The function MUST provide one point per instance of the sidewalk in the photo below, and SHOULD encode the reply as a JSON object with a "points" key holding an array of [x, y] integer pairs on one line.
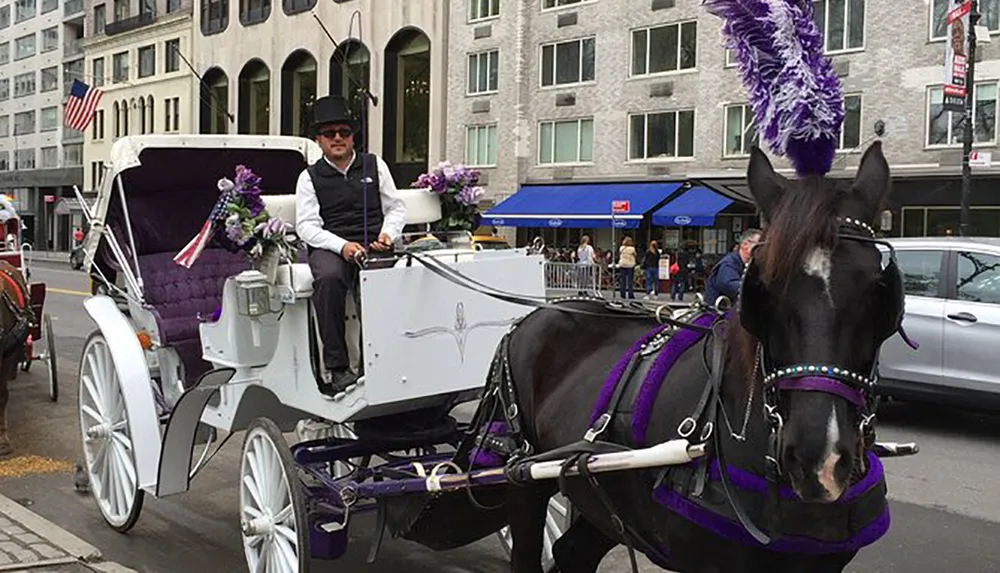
{"points": [[31, 543]]}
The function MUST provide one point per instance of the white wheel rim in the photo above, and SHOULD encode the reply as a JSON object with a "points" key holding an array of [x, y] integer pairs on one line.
{"points": [[267, 513], [107, 442], [556, 522]]}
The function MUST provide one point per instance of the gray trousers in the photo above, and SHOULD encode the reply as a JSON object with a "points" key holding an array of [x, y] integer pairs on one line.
{"points": [[332, 278]]}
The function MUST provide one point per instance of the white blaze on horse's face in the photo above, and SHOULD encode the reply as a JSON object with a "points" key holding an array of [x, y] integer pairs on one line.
{"points": [[818, 264], [826, 475]]}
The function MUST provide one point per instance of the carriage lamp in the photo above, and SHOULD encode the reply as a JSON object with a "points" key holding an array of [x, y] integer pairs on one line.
{"points": [[253, 295]]}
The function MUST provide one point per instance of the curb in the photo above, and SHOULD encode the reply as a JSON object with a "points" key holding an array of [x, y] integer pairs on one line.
{"points": [[59, 537]]}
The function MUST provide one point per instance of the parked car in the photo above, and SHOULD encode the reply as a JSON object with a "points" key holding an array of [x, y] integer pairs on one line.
{"points": [[489, 243], [952, 289]]}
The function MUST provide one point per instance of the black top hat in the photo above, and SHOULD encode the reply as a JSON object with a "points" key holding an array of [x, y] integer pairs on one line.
{"points": [[331, 109]]}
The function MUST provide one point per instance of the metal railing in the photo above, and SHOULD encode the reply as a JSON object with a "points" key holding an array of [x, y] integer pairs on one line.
{"points": [[572, 277]]}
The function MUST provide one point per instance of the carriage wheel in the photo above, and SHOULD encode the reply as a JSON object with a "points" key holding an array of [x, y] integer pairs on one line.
{"points": [[272, 509], [50, 357], [107, 439], [556, 523]]}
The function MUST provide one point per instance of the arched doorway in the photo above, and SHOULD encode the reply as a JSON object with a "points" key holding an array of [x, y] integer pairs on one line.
{"points": [[350, 76], [298, 93], [406, 123], [255, 98], [213, 108]]}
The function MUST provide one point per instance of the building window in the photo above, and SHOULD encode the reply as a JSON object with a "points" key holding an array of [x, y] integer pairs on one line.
{"points": [[483, 9], [150, 111], [989, 11], [661, 135], [118, 121], [484, 71], [24, 122], [295, 6], [214, 16], [481, 145], [4, 16], [72, 71], [125, 116], [667, 48], [142, 115], [730, 59], [24, 84], [566, 142], [945, 128], [173, 6], [123, 9], [100, 18], [97, 125], [172, 114], [842, 23], [50, 79], [96, 174], [4, 160], [48, 119], [4, 89], [24, 159], [850, 133], [255, 99], [120, 63], [171, 56], [4, 126], [49, 5], [350, 76], [741, 132], [546, 4], [98, 75], [568, 62], [24, 47], [50, 39], [147, 61], [4, 52], [214, 105], [298, 93], [254, 11], [24, 9], [50, 157]]}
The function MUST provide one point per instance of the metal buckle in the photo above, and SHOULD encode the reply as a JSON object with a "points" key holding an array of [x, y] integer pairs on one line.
{"points": [[706, 432], [598, 428], [687, 427]]}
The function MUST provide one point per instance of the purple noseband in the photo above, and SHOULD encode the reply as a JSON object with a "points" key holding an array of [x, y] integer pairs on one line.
{"points": [[823, 384]]}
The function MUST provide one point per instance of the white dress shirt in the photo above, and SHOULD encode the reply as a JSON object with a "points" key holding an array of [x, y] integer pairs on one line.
{"points": [[309, 223]]}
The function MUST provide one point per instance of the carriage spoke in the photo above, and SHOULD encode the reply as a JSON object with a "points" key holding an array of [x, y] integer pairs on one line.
{"points": [[125, 461], [95, 395], [262, 558], [287, 554], [92, 413], [285, 514], [251, 486], [288, 533], [255, 540]]}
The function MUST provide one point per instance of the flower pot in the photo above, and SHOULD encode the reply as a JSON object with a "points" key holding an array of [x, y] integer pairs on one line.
{"points": [[268, 263]]}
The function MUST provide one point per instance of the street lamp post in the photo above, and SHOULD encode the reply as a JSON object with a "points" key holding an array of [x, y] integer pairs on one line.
{"points": [[970, 88]]}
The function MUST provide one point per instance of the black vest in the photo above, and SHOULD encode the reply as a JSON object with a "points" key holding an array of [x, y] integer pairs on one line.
{"points": [[342, 198]]}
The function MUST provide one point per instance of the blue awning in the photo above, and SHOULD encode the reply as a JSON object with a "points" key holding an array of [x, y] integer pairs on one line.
{"points": [[696, 207], [586, 206]]}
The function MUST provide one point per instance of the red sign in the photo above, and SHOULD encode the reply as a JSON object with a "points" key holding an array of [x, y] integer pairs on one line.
{"points": [[621, 207], [50, 198]]}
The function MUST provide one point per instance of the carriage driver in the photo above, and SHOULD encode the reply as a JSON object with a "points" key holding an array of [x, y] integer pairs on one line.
{"points": [[331, 219]]}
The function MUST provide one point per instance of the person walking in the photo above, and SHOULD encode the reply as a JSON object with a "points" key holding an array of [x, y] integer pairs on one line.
{"points": [[679, 280], [586, 259], [626, 268], [651, 267]]}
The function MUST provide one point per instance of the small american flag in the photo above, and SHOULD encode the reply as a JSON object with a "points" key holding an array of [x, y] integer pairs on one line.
{"points": [[190, 253], [81, 105]]}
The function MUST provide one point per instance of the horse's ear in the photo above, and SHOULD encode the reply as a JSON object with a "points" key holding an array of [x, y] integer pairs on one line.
{"points": [[766, 186], [871, 184]]}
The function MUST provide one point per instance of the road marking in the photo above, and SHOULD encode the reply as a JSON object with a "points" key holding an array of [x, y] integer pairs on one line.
{"points": [[66, 291]]}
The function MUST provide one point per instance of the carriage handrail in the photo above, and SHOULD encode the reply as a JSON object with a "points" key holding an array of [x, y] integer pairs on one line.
{"points": [[128, 227], [99, 227]]}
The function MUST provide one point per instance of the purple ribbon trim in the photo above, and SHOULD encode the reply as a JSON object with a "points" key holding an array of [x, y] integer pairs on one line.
{"points": [[608, 390], [823, 384], [678, 344]]}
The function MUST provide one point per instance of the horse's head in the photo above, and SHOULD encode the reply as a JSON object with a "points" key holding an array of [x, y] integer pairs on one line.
{"points": [[820, 302]]}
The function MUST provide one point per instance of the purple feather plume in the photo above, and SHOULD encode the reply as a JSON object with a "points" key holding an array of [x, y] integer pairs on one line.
{"points": [[795, 95]]}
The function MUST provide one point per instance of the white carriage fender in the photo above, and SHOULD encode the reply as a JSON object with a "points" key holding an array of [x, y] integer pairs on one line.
{"points": [[133, 373]]}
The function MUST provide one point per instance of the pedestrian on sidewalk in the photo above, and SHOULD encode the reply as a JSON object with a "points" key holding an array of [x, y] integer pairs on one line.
{"points": [[679, 279], [626, 268], [651, 267], [727, 274], [586, 261]]}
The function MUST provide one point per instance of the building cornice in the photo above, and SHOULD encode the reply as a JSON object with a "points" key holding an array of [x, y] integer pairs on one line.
{"points": [[170, 23]]}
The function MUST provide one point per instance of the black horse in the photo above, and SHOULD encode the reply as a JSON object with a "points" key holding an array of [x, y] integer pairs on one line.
{"points": [[794, 370]]}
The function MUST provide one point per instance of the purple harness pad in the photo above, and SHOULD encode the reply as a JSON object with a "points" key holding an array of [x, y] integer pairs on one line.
{"points": [[671, 352], [608, 390], [822, 384]]}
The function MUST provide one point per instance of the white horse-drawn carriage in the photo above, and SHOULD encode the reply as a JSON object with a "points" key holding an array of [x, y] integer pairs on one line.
{"points": [[166, 368]]}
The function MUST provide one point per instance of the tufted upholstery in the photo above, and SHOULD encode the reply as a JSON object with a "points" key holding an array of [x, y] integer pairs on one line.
{"points": [[178, 295]]}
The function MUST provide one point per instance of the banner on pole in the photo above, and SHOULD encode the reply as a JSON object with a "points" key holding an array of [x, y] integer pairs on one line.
{"points": [[956, 55]]}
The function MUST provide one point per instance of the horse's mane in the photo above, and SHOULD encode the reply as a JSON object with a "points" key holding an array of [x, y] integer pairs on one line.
{"points": [[805, 218]]}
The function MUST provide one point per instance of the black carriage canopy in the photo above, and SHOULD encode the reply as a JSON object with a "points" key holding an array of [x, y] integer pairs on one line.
{"points": [[172, 192]]}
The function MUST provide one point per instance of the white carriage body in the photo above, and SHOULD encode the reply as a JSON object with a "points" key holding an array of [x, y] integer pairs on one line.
{"points": [[425, 339]]}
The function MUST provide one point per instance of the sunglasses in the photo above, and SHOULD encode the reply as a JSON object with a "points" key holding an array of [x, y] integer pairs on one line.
{"points": [[343, 132]]}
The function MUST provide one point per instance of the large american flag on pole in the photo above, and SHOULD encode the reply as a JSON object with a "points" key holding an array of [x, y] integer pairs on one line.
{"points": [[81, 105]]}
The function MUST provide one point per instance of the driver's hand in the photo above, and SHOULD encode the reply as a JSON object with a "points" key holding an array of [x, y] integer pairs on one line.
{"points": [[351, 250], [384, 243]]}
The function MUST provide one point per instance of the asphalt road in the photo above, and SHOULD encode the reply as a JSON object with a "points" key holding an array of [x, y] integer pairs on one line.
{"points": [[945, 501]]}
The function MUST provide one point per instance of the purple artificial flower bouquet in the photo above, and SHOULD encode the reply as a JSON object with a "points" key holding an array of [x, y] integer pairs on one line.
{"points": [[243, 224], [457, 186]]}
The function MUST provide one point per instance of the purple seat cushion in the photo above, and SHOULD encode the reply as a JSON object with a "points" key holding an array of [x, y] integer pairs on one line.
{"points": [[178, 295]]}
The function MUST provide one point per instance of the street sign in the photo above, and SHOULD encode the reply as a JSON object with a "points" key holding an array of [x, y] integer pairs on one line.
{"points": [[980, 158], [621, 207]]}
